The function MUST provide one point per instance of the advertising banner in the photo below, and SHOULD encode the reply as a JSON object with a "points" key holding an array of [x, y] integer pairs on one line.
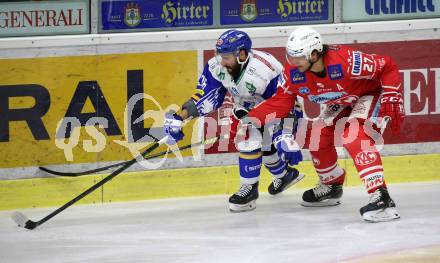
{"points": [[81, 109], [152, 14], [420, 73], [29, 18], [274, 11], [374, 10]]}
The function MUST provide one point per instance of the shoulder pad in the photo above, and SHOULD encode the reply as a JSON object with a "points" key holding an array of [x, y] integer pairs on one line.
{"points": [[268, 60]]}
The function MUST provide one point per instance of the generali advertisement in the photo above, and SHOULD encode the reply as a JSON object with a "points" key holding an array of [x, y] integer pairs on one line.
{"points": [[29, 18], [87, 109], [419, 64]]}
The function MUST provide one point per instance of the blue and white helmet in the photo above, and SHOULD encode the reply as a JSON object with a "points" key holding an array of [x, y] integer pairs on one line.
{"points": [[232, 41]]}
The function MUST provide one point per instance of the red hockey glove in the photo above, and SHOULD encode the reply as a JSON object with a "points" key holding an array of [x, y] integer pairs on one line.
{"points": [[392, 107]]}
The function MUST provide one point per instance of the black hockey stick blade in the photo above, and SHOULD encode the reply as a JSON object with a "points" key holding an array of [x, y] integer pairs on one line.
{"points": [[22, 221]]}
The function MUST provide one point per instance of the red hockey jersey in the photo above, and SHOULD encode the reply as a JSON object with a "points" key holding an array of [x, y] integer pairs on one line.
{"points": [[350, 74]]}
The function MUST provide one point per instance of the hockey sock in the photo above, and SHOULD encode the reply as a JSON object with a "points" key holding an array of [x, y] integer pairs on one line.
{"points": [[326, 165], [333, 174], [275, 165], [367, 161], [250, 166]]}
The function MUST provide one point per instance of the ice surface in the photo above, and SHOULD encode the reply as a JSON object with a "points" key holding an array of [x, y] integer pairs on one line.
{"points": [[203, 230]]}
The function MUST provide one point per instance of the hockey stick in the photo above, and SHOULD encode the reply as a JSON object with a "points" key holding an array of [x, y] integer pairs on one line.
{"points": [[23, 221], [384, 125], [75, 174]]}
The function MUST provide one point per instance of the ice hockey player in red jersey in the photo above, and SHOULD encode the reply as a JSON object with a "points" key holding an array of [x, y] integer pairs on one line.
{"points": [[360, 92]]}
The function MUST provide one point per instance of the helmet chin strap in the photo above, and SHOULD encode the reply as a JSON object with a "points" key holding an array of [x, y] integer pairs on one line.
{"points": [[311, 65], [309, 59], [242, 63]]}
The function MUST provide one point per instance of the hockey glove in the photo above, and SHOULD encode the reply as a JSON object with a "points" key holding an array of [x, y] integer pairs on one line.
{"points": [[392, 107], [287, 148], [236, 116], [172, 128]]}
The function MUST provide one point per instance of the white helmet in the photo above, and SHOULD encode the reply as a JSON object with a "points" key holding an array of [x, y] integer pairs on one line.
{"points": [[303, 41]]}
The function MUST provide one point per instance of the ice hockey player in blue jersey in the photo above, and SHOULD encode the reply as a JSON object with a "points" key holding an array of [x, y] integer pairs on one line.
{"points": [[251, 76]]}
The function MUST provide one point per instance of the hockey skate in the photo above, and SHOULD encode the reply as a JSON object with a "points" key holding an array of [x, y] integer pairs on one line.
{"points": [[381, 207], [244, 199], [323, 195], [278, 185]]}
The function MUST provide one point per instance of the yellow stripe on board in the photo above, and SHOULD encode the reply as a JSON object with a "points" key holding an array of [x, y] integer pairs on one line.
{"points": [[189, 182], [42, 192], [251, 156]]}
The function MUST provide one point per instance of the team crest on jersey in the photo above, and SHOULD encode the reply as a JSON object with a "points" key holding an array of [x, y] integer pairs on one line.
{"points": [[304, 90], [335, 72], [132, 15], [251, 88], [357, 63], [364, 158], [297, 76], [248, 10], [221, 75]]}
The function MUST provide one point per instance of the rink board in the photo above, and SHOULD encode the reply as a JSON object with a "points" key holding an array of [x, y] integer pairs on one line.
{"points": [[83, 87], [169, 64], [40, 192]]}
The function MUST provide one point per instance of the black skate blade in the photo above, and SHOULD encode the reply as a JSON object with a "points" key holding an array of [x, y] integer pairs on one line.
{"points": [[22, 221], [325, 203]]}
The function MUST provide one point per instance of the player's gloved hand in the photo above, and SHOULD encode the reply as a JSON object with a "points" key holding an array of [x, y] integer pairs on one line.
{"points": [[392, 107], [172, 128], [287, 148], [237, 114]]}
